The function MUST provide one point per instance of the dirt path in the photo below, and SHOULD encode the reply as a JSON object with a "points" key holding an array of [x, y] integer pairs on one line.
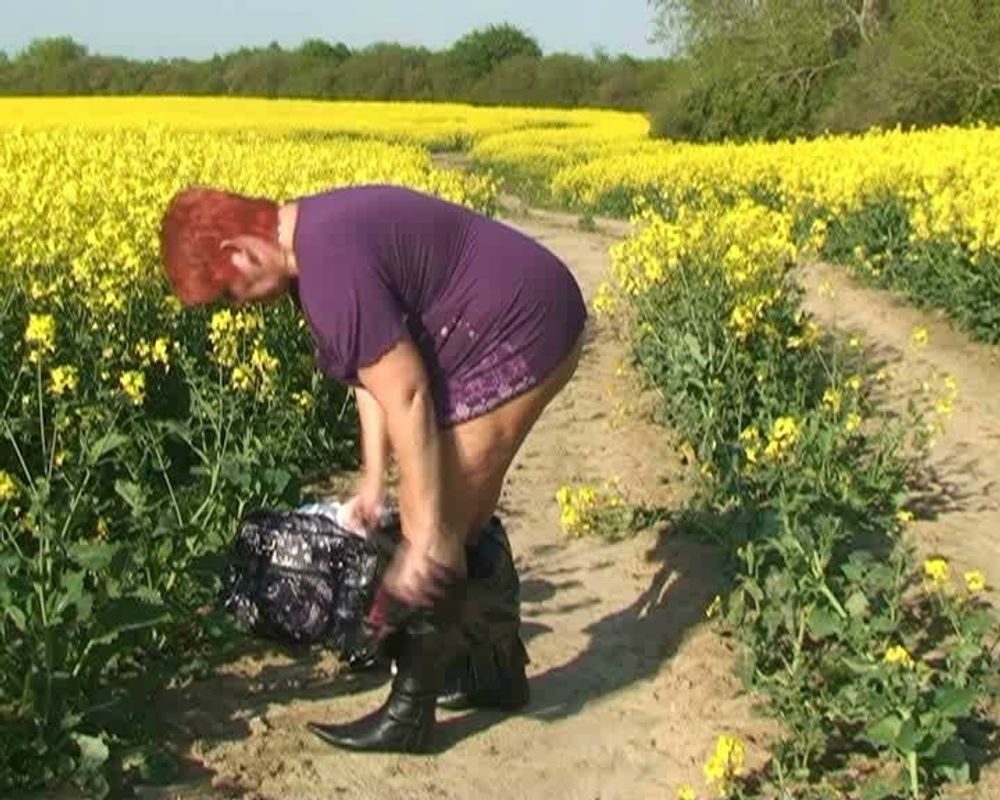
{"points": [[629, 687], [959, 510]]}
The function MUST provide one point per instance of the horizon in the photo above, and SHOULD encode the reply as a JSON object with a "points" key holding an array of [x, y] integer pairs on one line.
{"points": [[116, 28]]}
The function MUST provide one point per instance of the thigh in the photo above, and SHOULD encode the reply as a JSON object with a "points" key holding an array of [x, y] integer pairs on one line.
{"points": [[478, 452]]}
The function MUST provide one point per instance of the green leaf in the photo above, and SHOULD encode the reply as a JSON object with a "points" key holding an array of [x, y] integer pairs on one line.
{"points": [[885, 731], [956, 702], [72, 588], [106, 444], [93, 752], [17, 617], [952, 761], [751, 588], [128, 613], [906, 739], [131, 493], [823, 623], [276, 480], [979, 624], [857, 605], [93, 556]]}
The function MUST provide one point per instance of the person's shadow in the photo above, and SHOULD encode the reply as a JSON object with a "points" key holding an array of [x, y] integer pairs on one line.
{"points": [[626, 646]]}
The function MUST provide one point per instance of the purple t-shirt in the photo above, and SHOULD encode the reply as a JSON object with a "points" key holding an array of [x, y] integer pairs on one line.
{"points": [[491, 310]]}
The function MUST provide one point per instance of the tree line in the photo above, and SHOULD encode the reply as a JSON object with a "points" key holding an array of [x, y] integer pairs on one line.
{"points": [[498, 64], [778, 68], [737, 69]]}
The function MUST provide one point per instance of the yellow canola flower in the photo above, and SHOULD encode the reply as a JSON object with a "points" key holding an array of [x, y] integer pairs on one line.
{"points": [[605, 302], [242, 378], [686, 793], [937, 571], [582, 510], [726, 762], [161, 351], [751, 442], [40, 335], [303, 400], [63, 380], [263, 361], [133, 385], [975, 581], [8, 488], [898, 655], [920, 337], [833, 399], [785, 434]]}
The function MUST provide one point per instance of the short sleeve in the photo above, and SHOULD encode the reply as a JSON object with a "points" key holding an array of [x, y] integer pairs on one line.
{"points": [[355, 315]]}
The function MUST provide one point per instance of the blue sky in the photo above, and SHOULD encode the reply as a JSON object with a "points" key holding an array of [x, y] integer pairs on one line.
{"points": [[199, 28]]}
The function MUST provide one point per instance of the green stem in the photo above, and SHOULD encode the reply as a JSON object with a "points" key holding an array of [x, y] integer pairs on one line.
{"points": [[41, 409], [20, 456], [166, 477], [911, 759]]}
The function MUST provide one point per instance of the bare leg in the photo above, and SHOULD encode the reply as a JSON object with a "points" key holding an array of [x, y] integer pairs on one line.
{"points": [[479, 452]]}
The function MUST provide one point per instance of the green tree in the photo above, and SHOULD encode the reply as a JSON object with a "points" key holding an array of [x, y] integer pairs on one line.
{"points": [[479, 52], [937, 63], [513, 81], [565, 80], [385, 71], [761, 67], [52, 52], [321, 50], [51, 66]]}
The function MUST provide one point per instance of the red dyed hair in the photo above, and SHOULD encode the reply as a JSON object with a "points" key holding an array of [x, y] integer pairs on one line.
{"points": [[194, 226]]}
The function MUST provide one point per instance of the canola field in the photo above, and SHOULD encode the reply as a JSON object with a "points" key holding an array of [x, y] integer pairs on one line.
{"points": [[132, 432]]}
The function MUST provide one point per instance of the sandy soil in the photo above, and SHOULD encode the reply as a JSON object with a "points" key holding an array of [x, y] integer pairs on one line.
{"points": [[629, 686]]}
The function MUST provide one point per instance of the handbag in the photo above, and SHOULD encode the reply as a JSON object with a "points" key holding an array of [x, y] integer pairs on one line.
{"points": [[301, 579]]}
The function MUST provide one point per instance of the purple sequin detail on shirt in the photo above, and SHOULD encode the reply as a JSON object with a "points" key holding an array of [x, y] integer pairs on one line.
{"points": [[507, 375]]}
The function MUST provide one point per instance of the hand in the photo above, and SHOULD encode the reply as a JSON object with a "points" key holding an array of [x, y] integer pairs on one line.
{"points": [[364, 510], [414, 577]]}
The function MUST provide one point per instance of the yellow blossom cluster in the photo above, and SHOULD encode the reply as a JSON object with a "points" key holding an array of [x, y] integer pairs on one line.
{"points": [[898, 655], [8, 488], [726, 763], [583, 510], [753, 245], [92, 199], [937, 572], [784, 435], [238, 347], [946, 176], [435, 126]]}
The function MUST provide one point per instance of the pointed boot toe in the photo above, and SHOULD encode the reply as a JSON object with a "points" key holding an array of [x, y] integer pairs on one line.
{"points": [[382, 731]]}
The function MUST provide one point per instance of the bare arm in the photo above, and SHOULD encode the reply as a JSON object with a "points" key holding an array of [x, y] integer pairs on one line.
{"points": [[374, 443], [399, 384]]}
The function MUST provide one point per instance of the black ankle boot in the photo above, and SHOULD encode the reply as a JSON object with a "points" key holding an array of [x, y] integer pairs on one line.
{"points": [[428, 641], [489, 671]]}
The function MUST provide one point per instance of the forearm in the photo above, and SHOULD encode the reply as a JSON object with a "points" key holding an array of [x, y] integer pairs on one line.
{"points": [[374, 440], [416, 442]]}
